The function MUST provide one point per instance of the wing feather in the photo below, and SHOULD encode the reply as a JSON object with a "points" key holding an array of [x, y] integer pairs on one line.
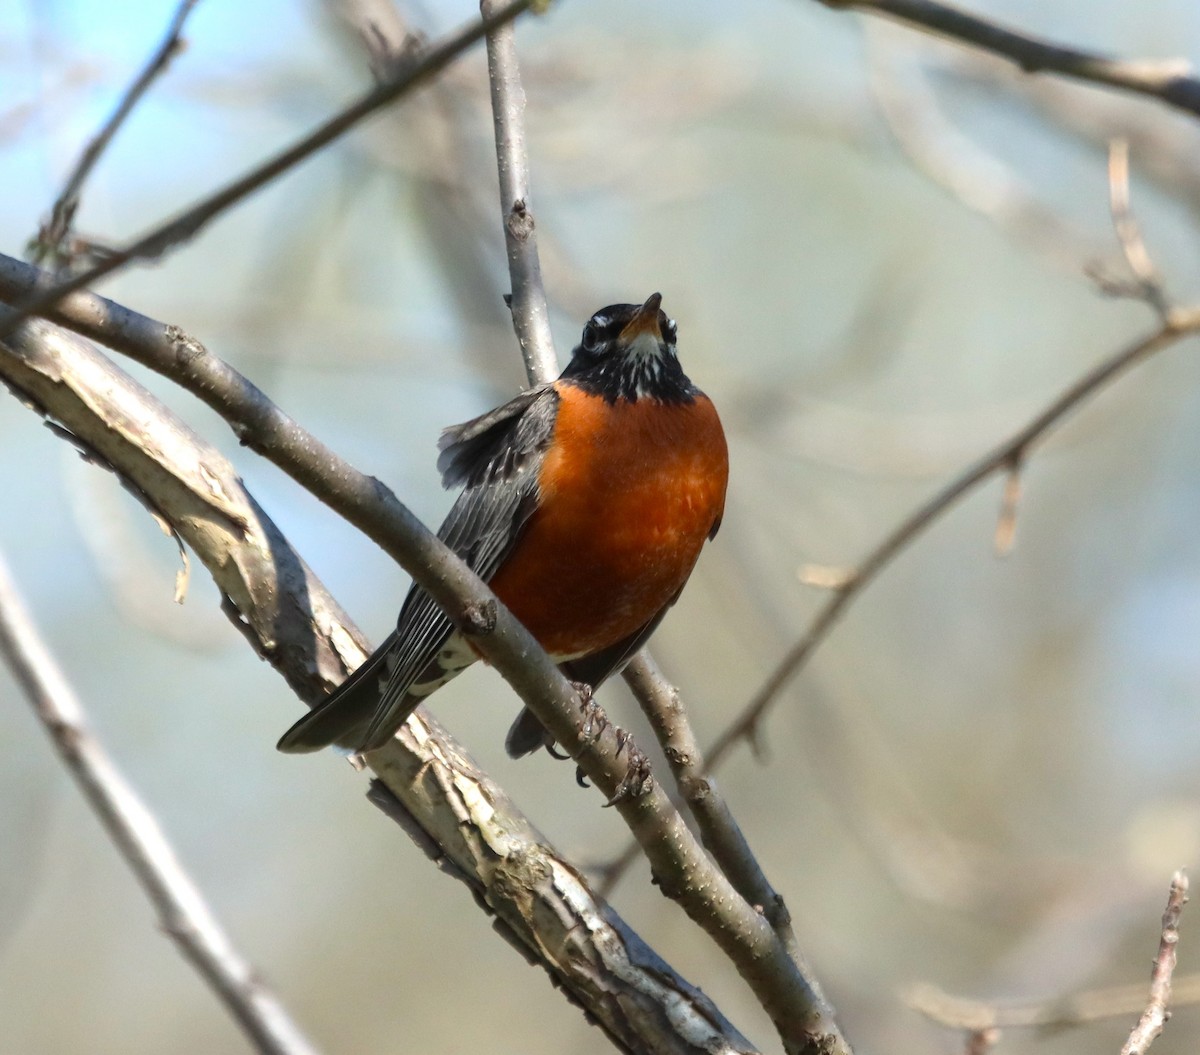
{"points": [[498, 456]]}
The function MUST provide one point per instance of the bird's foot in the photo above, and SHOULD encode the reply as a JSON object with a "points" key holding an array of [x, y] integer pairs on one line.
{"points": [[595, 721], [638, 779]]}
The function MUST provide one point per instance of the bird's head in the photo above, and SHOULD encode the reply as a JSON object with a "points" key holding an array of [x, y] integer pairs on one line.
{"points": [[627, 351]]}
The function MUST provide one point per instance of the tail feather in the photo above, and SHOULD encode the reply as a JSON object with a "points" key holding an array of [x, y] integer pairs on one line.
{"points": [[364, 712], [344, 717]]}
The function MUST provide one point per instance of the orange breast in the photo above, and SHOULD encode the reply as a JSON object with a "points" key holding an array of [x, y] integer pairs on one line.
{"points": [[629, 493]]}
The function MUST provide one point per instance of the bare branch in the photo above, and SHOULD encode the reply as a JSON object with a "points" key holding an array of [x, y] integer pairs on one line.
{"points": [[1169, 81], [182, 910], [1150, 1025], [531, 317], [681, 867], [1180, 323], [983, 1021], [719, 830], [189, 222], [51, 241], [286, 614], [1066, 1012], [1006, 524], [981, 1041], [1147, 281]]}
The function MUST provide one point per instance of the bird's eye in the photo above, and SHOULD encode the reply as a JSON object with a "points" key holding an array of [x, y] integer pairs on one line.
{"points": [[591, 337], [671, 331]]}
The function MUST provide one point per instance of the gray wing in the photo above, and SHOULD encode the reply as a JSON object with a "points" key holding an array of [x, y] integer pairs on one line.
{"points": [[498, 457]]}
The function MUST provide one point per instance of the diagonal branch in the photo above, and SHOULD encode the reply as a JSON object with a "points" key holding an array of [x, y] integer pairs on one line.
{"points": [[188, 223], [542, 904], [182, 910], [1170, 82], [1005, 457], [680, 865], [1048, 1016], [719, 829]]}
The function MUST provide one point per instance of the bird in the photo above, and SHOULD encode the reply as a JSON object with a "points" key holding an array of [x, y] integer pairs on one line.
{"points": [[585, 504]]}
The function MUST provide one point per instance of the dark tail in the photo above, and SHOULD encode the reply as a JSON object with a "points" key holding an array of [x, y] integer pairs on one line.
{"points": [[345, 715]]}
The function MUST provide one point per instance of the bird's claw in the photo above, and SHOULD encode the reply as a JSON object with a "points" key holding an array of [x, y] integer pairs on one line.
{"points": [[595, 721], [638, 779]]}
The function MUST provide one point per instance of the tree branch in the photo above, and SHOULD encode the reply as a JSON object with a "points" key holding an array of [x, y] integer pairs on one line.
{"points": [[1006, 456], [984, 1020], [1170, 82], [1056, 1013], [283, 610], [530, 315], [680, 864], [51, 239], [718, 828], [182, 910], [660, 701], [188, 223], [1150, 1025]]}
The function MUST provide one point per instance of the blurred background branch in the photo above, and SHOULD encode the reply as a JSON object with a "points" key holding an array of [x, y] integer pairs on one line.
{"points": [[188, 223], [1168, 81], [983, 1023], [182, 910], [53, 242]]}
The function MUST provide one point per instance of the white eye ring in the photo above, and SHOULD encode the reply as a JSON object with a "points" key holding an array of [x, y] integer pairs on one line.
{"points": [[672, 328]]}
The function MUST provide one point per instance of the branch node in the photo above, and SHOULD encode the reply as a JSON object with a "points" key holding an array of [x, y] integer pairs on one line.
{"points": [[519, 221], [1006, 525], [1147, 285], [478, 619], [187, 348], [828, 576]]}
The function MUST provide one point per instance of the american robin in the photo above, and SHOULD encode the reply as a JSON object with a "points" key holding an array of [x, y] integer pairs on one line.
{"points": [[585, 504]]}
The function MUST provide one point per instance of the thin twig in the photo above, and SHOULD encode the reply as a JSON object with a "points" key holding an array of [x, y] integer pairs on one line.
{"points": [[1179, 324], [182, 911], [981, 1041], [1169, 81], [1150, 1025], [1010, 501], [976, 1017], [189, 222], [1009, 455], [680, 864], [1047, 1016], [1148, 283], [51, 240], [531, 317]]}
